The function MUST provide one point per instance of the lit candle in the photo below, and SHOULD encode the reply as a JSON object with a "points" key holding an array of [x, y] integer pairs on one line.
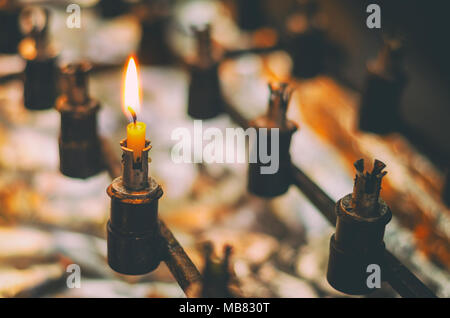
{"points": [[136, 136], [131, 104]]}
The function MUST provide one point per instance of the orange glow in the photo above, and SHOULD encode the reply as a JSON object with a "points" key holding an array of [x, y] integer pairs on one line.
{"points": [[131, 89]]}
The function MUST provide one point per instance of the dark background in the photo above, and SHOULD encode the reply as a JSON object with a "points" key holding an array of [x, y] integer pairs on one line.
{"points": [[425, 27]]}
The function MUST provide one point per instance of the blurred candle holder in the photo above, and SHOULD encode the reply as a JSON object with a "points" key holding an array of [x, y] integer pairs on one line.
{"points": [[205, 95], [79, 146], [41, 71], [275, 184]]}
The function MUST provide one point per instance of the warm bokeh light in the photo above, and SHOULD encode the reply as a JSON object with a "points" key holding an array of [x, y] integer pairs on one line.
{"points": [[131, 89]]}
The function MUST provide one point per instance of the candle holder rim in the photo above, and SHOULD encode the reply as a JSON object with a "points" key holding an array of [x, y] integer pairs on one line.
{"points": [[123, 145], [151, 192], [346, 212]]}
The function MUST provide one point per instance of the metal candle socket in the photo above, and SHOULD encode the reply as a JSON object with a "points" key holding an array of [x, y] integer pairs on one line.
{"points": [[135, 246], [306, 40], [153, 49], [41, 72], [205, 96], [380, 101], [40, 88], [79, 146], [272, 185], [358, 240]]}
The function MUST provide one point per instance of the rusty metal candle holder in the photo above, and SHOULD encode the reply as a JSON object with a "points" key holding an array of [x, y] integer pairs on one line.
{"points": [[135, 245], [385, 82], [216, 275], [306, 42], [271, 185], [154, 48], [40, 83], [79, 146], [205, 96], [358, 241]]}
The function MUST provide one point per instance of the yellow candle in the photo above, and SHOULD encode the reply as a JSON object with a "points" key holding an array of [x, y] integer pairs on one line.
{"points": [[136, 138], [131, 104]]}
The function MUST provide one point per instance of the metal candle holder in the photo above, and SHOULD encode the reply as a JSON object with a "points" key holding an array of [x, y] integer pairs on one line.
{"points": [[205, 96], [358, 241], [384, 86], [79, 146], [135, 245], [272, 185], [306, 42], [154, 48], [41, 70]]}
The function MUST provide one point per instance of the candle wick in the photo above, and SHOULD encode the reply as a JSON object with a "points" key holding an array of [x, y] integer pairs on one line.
{"points": [[133, 114]]}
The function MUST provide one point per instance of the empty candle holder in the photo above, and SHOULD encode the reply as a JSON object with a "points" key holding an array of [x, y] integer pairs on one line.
{"points": [[306, 41], [358, 241], [41, 71], [79, 146], [278, 126], [135, 245], [205, 96], [379, 109], [216, 274], [154, 48], [217, 279]]}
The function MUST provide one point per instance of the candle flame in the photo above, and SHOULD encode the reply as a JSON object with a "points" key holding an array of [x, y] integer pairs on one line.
{"points": [[131, 90]]}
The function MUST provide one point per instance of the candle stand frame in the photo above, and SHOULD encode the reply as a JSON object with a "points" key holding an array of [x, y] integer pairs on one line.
{"points": [[401, 279]]}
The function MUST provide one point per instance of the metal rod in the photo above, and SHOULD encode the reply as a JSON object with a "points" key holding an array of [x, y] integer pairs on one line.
{"points": [[314, 194], [11, 76], [404, 281], [401, 279], [178, 262]]}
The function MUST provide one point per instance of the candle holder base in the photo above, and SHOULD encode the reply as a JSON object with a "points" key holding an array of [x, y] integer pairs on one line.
{"points": [[356, 244], [277, 183], [135, 245], [205, 96], [80, 159]]}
